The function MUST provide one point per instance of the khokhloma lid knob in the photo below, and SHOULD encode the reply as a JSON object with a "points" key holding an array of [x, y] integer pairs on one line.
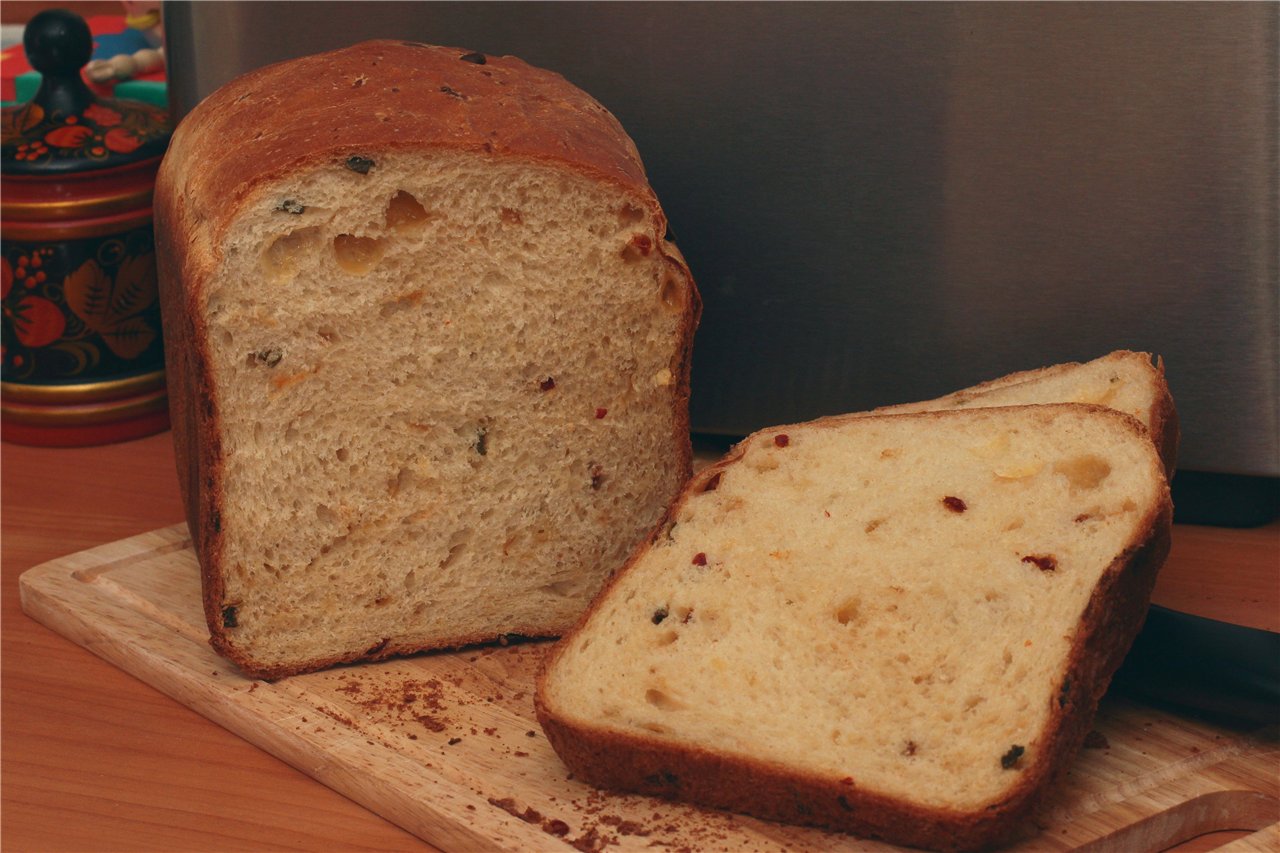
{"points": [[66, 127]]}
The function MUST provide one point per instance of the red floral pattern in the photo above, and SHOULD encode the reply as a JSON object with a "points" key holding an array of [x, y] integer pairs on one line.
{"points": [[68, 136], [102, 116], [37, 322], [106, 133], [120, 140], [79, 308]]}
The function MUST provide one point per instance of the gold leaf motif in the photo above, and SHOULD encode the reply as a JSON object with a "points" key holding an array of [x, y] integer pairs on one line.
{"points": [[129, 338], [145, 123], [112, 308], [18, 122], [135, 287], [88, 294]]}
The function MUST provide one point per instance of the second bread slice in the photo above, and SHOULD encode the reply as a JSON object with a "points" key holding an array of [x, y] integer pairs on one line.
{"points": [[891, 625], [1122, 380]]}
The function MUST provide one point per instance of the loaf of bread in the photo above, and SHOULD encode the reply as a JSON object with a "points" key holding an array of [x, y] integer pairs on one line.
{"points": [[1126, 381], [428, 352], [893, 625]]}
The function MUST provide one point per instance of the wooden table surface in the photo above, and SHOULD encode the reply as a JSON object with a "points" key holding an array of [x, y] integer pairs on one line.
{"points": [[93, 760]]}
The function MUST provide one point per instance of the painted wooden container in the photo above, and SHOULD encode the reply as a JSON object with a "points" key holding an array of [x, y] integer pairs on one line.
{"points": [[82, 357]]}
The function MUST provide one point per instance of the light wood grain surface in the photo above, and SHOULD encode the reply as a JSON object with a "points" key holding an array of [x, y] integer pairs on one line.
{"points": [[93, 759]]}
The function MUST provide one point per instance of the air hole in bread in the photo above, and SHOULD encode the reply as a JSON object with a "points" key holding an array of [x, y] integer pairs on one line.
{"points": [[873, 524], [510, 216], [673, 294], [282, 256], [325, 514], [405, 213], [629, 216], [564, 588], [411, 579], [334, 543], [637, 248], [667, 638], [1083, 472], [327, 334], [357, 255], [848, 610], [457, 544], [402, 480], [342, 453], [662, 700], [656, 728], [455, 551]]}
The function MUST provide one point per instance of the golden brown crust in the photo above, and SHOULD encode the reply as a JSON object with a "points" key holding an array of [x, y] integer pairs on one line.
{"points": [[1165, 429], [370, 98], [387, 95], [192, 403], [644, 764]]}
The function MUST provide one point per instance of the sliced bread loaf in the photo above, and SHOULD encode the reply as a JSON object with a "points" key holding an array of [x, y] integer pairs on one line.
{"points": [[1122, 380], [428, 352], [898, 626]]}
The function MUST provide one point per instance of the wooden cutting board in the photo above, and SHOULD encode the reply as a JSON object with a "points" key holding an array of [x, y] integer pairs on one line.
{"points": [[446, 745]]}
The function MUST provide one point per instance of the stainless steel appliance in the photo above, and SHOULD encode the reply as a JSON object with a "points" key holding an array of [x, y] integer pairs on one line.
{"points": [[884, 202]]}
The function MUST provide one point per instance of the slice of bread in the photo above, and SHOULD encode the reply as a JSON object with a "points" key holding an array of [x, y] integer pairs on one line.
{"points": [[1122, 380], [428, 352], [897, 626]]}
